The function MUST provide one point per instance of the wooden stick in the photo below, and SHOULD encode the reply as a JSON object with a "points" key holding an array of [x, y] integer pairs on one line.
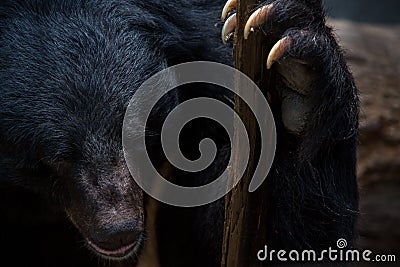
{"points": [[245, 213]]}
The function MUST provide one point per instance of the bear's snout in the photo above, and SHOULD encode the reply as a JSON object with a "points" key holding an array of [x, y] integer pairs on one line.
{"points": [[117, 241], [107, 207]]}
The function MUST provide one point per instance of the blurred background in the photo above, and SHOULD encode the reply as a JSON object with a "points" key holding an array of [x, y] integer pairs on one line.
{"points": [[369, 32], [383, 11]]}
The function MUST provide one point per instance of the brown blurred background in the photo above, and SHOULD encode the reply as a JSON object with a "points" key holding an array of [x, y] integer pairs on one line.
{"points": [[370, 34]]}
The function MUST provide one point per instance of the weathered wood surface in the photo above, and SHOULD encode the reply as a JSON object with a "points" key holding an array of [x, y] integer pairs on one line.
{"points": [[245, 218]]}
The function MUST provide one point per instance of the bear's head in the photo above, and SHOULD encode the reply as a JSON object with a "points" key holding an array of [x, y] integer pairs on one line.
{"points": [[67, 76]]}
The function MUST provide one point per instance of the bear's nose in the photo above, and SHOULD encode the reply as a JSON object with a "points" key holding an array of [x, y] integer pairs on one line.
{"points": [[117, 236]]}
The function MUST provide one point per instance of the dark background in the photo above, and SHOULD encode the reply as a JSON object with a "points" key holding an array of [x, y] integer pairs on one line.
{"points": [[383, 11]]}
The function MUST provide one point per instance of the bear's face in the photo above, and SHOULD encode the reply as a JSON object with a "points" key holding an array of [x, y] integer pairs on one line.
{"points": [[105, 205]]}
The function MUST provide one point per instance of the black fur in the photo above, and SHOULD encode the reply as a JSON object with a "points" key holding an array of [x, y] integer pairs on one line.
{"points": [[68, 70]]}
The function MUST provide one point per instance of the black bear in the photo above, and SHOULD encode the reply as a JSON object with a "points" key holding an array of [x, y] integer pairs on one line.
{"points": [[67, 72]]}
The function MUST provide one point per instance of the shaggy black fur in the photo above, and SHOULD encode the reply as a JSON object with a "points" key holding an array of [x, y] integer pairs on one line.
{"points": [[67, 72]]}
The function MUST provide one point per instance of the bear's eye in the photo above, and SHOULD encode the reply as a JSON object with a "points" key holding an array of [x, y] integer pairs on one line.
{"points": [[54, 169]]}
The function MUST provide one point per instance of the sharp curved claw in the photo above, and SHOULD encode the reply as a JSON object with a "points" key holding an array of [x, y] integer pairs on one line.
{"points": [[229, 6], [228, 29], [278, 50], [256, 19]]}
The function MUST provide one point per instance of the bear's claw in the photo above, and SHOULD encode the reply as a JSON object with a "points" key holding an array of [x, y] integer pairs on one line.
{"points": [[229, 7], [259, 17], [278, 51], [228, 29]]}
